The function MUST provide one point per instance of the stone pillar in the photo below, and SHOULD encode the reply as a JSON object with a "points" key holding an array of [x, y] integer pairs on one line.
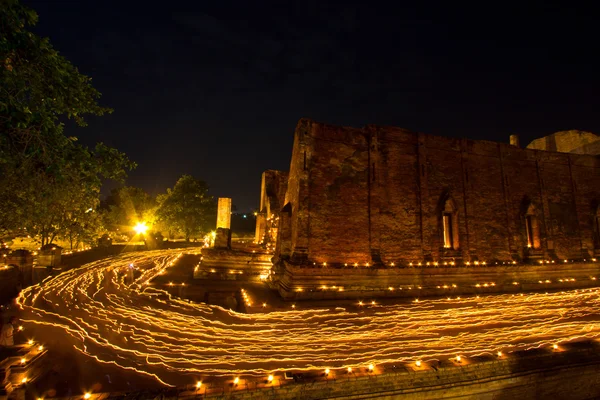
{"points": [[23, 260], [49, 256], [514, 140], [261, 227], [223, 238], [224, 213]]}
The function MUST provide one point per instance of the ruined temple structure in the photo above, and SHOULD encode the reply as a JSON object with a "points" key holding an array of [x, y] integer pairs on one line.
{"points": [[272, 193], [374, 201], [578, 142]]}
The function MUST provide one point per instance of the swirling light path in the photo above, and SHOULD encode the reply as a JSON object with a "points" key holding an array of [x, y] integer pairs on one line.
{"points": [[135, 326]]}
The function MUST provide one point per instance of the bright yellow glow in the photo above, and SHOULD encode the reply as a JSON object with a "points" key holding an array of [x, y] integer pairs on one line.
{"points": [[140, 228], [418, 363], [24, 380], [40, 347], [270, 378], [236, 380], [555, 346], [198, 385], [458, 358], [349, 369], [327, 371], [30, 342], [23, 361], [87, 396], [371, 367]]}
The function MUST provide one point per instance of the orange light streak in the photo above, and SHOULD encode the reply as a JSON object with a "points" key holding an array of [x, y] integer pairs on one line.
{"points": [[122, 321]]}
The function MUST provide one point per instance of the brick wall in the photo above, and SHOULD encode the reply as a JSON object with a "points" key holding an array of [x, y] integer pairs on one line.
{"points": [[377, 194]]}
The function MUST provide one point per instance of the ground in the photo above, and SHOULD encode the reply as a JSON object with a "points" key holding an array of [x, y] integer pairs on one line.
{"points": [[119, 315]]}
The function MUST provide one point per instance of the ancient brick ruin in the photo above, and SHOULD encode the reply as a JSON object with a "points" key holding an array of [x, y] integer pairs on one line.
{"points": [[273, 188], [385, 197]]}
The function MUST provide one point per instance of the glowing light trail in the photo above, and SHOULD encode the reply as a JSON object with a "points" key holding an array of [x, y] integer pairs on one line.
{"points": [[120, 320]]}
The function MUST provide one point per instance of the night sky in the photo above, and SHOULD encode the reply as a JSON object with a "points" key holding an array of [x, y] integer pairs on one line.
{"points": [[215, 88]]}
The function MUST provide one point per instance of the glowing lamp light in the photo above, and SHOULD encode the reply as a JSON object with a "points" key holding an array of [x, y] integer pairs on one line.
{"points": [[270, 378], [458, 358], [236, 380], [499, 354], [87, 395], [30, 342], [371, 367], [24, 380], [418, 363], [198, 385], [20, 327], [140, 228], [555, 346], [327, 371], [23, 361], [349, 370], [40, 347]]}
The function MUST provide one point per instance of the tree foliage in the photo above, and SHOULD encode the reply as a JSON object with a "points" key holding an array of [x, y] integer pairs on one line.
{"points": [[48, 180], [187, 208], [126, 206]]}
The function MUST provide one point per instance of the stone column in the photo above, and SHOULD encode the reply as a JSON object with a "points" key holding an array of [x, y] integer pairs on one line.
{"points": [[224, 213], [223, 233], [261, 227]]}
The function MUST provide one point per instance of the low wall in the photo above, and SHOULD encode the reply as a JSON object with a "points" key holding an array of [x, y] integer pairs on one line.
{"points": [[572, 375], [298, 283]]}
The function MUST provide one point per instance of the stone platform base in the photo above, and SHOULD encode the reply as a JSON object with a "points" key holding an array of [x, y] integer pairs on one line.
{"points": [[315, 283], [16, 374], [228, 264]]}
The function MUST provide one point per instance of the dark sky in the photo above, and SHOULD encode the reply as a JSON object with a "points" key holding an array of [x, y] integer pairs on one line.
{"points": [[215, 88]]}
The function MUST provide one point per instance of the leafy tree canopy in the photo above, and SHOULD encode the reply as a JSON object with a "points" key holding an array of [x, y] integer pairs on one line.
{"points": [[48, 180], [187, 208], [126, 206]]}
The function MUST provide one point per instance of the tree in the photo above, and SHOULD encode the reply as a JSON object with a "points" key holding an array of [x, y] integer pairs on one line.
{"points": [[47, 179], [126, 206], [187, 208]]}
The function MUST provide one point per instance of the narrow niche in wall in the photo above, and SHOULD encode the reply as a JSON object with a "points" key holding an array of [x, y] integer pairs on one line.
{"points": [[449, 223], [532, 227]]}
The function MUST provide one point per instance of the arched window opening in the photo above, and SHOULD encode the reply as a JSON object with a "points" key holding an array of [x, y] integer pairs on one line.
{"points": [[447, 222], [529, 228], [532, 228], [449, 225], [597, 226]]}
